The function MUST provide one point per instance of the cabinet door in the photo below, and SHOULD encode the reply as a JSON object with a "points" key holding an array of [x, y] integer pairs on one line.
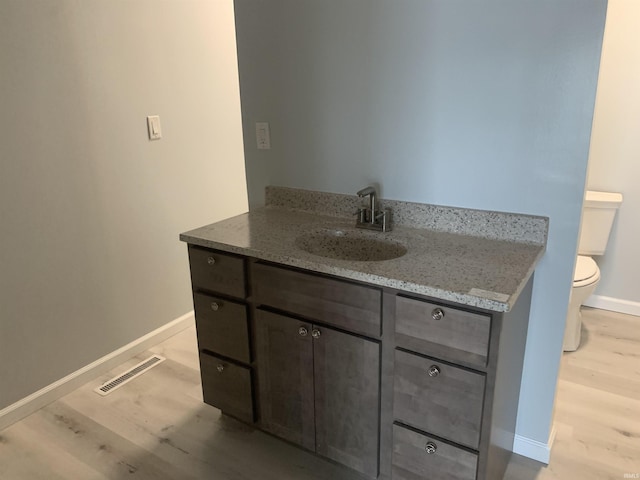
{"points": [[227, 387], [285, 377], [222, 327], [438, 398], [217, 272], [347, 398], [443, 331], [416, 456]]}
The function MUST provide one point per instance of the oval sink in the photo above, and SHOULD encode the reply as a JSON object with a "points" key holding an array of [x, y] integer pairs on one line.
{"points": [[352, 246]]}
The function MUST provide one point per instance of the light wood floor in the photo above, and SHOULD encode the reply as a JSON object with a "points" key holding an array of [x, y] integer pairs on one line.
{"points": [[157, 427], [597, 405]]}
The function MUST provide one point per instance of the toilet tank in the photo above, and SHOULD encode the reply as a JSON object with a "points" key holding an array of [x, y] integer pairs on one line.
{"points": [[598, 211]]}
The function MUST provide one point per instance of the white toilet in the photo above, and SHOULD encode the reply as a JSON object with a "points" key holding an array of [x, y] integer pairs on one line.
{"points": [[599, 210]]}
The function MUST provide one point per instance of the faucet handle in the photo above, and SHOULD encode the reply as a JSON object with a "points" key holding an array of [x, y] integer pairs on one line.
{"points": [[361, 213]]}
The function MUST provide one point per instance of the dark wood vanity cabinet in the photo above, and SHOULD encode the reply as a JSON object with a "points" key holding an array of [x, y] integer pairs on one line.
{"points": [[456, 386], [222, 324], [393, 385], [320, 388], [318, 374]]}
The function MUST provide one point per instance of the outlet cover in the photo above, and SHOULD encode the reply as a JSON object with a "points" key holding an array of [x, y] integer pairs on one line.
{"points": [[263, 137]]}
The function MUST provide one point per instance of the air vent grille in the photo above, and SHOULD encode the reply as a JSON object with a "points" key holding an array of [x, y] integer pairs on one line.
{"points": [[125, 377]]}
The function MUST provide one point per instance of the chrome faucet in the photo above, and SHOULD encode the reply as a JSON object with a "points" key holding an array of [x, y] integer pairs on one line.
{"points": [[372, 218], [371, 191]]}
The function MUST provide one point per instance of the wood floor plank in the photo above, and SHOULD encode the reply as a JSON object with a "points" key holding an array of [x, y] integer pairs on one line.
{"points": [[100, 448], [23, 455], [584, 405], [601, 379]]}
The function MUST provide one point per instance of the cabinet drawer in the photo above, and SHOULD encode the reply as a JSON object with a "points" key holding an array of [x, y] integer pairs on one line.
{"points": [[227, 386], [438, 398], [222, 327], [442, 331], [218, 272], [344, 304], [412, 460]]}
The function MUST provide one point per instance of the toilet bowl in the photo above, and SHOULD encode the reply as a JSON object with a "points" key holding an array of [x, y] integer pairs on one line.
{"points": [[585, 279], [598, 212]]}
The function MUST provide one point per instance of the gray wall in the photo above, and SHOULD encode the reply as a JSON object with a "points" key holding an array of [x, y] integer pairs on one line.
{"points": [[90, 209], [615, 150], [464, 103]]}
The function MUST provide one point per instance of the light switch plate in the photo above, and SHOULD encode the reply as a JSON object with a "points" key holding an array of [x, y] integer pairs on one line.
{"points": [[263, 136], [153, 124]]}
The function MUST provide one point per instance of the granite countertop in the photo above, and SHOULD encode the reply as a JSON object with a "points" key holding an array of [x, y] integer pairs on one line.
{"points": [[471, 257]]}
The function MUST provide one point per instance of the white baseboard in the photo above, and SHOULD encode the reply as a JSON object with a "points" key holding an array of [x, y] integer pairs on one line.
{"points": [[533, 449], [52, 392], [613, 304]]}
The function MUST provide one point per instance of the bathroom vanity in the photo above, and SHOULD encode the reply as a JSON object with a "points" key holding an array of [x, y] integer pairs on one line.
{"points": [[403, 368]]}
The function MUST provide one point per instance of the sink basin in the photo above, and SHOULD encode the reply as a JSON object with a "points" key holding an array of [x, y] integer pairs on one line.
{"points": [[352, 246]]}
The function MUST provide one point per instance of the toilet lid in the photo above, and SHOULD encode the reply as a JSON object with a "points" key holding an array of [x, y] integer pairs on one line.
{"points": [[585, 268]]}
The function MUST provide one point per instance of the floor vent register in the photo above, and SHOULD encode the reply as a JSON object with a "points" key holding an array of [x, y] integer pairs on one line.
{"points": [[125, 377]]}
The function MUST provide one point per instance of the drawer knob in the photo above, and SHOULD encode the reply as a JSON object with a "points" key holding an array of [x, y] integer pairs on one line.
{"points": [[315, 333], [433, 371], [211, 261], [302, 331], [437, 314], [430, 448], [215, 306], [220, 368]]}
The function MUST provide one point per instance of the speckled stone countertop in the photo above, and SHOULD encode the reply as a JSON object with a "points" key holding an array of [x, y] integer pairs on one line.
{"points": [[471, 257]]}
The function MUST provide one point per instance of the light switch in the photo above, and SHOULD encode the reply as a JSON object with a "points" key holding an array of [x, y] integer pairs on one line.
{"points": [[263, 137], [155, 131]]}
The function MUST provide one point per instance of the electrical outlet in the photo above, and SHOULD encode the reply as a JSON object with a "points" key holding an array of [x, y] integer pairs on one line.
{"points": [[263, 137]]}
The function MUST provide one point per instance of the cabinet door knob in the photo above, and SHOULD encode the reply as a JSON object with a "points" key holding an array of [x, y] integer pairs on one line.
{"points": [[211, 261], [315, 333], [433, 371], [430, 448], [302, 331], [437, 314], [215, 306], [220, 367]]}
